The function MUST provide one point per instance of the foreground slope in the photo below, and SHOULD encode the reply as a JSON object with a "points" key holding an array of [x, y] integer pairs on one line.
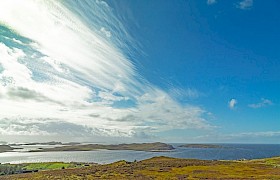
{"points": [[166, 168]]}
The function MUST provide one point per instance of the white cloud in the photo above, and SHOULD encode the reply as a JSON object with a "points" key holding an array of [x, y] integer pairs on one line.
{"points": [[106, 32], [258, 134], [263, 103], [159, 108], [209, 2], [232, 103], [180, 93], [78, 78], [102, 3], [245, 4]]}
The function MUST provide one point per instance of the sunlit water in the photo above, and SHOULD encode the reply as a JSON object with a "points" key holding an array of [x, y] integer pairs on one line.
{"points": [[230, 152]]}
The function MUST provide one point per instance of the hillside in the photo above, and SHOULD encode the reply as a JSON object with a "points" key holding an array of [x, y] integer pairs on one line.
{"points": [[165, 168]]}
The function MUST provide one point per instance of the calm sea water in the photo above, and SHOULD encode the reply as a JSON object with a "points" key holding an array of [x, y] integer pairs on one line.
{"points": [[229, 152]]}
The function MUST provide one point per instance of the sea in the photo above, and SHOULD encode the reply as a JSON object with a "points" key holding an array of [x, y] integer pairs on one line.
{"points": [[227, 152]]}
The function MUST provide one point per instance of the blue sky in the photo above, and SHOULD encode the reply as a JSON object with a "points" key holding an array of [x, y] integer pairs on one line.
{"points": [[221, 50], [126, 71]]}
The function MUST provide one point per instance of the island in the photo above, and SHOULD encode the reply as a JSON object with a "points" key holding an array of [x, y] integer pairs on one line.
{"points": [[157, 146], [5, 148], [201, 146], [43, 143], [51, 143]]}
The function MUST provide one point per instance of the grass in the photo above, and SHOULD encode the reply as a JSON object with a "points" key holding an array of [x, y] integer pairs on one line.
{"points": [[163, 168], [48, 166], [8, 169]]}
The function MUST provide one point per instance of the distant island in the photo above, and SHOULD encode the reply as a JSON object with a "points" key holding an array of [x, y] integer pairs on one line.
{"points": [[5, 148], [157, 146], [201, 146], [43, 143], [74, 146]]}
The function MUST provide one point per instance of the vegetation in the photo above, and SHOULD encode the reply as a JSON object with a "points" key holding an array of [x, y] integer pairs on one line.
{"points": [[201, 146], [157, 146], [166, 168], [8, 169]]}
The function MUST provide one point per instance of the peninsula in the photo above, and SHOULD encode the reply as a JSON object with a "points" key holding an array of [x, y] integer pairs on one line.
{"points": [[157, 146], [5, 148], [201, 146]]}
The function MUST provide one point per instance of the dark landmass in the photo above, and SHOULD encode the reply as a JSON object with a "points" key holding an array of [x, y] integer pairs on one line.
{"points": [[44, 143], [90, 147], [160, 168], [71, 143], [5, 148], [14, 144], [201, 146]]}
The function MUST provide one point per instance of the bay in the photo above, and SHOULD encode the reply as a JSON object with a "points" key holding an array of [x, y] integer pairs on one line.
{"points": [[227, 152]]}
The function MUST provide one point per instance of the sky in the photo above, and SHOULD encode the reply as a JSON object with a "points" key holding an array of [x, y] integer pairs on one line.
{"points": [[140, 71]]}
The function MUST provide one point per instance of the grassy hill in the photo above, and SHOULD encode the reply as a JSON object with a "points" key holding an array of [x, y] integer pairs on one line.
{"points": [[165, 168]]}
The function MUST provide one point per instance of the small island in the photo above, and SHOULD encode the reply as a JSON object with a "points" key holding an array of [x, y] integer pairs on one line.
{"points": [[5, 148], [51, 143], [201, 146], [157, 146]]}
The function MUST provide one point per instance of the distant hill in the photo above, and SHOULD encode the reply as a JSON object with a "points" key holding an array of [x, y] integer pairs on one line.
{"points": [[156, 168], [5, 148], [157, 146], [201, 146]]}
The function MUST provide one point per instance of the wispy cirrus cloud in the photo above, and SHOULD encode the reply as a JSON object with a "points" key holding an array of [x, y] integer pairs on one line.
{"points": [[106, 32], [245, 4], [184, 94], [257, 134], [70, 70], [210, 2], [263, 103]]}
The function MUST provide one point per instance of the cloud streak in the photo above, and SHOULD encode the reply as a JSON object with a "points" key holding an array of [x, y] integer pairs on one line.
{"points": [[210, 2], [263, 103], [70, 68], [245, 4]]}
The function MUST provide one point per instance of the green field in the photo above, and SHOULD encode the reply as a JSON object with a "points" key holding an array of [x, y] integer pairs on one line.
{"points": [[8, 169]]}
